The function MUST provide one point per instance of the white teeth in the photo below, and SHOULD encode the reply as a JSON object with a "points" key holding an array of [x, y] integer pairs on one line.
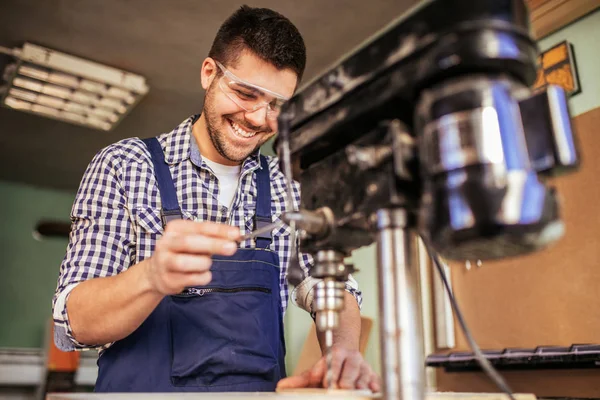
{"points": [[240, 131]]}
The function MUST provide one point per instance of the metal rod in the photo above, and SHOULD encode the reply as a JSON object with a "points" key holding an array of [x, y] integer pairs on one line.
{"points": [[264, 229], [400, 320], [10, 52], [444, 319], [427, 313], [329, 358]]}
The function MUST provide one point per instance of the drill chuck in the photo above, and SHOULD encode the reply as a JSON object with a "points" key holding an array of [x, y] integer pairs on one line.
{"points": [[328, 303]]}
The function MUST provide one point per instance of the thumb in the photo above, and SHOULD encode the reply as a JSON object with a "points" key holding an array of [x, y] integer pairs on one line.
{"points": [[317, 373], [292, 382]]}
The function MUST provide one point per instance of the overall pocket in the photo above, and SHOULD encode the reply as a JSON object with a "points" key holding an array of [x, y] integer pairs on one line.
{"points": [[224, 335]]}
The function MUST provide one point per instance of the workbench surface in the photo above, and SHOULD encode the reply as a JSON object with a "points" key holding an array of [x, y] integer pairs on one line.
{"points": [[314, 395]]}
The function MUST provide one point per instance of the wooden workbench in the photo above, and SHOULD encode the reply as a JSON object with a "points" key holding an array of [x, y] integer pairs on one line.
{"points": [[322, 395]]}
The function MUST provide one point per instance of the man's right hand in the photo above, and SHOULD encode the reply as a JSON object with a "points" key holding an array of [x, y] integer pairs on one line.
{"points": [[182, 256]]}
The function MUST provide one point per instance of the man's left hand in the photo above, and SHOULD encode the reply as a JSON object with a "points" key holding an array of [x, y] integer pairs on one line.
{"points": [[349, 371]]}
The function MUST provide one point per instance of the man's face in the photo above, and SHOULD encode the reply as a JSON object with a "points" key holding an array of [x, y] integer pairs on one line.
{"points": [[234, 132]]}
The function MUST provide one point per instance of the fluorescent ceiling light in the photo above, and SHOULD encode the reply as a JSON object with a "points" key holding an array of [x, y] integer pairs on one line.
{"points": [[71, 89]]}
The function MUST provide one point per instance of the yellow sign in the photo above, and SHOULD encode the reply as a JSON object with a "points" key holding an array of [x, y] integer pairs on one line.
{"points": [[557, 67]]}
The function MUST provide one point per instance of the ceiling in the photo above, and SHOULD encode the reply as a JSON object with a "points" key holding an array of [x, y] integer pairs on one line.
{"points": [[165, 41]]}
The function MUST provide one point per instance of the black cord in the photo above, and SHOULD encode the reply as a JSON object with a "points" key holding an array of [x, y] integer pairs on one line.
{"points": [[485, 364], [295, 273]]}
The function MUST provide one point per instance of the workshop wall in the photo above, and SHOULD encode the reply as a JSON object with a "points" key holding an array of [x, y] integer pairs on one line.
{"points": [[29, 267]]}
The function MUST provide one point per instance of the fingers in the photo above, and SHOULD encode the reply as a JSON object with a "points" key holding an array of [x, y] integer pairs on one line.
{"points": [[212, 229], [197, 279], [350, 371], [364, 377], [375, 383], [182, 256], [317, 373], [339, 355], [311, 378], [293, 382], [198, 244], [187, 263]]}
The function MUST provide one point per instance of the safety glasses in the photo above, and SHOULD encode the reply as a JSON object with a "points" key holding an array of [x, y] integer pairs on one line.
{"points": [[248, 96]]}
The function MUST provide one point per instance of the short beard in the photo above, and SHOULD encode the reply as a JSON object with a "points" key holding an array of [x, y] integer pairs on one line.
{"points": [[218, 138]]}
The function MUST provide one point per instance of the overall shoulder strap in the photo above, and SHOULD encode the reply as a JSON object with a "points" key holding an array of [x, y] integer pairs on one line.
{"points": [[168, 196], [262, 216]]}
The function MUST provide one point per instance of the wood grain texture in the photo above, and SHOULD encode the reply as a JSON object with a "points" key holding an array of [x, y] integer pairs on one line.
{"points": [[563, 384], [245, 396], [548, 16]]}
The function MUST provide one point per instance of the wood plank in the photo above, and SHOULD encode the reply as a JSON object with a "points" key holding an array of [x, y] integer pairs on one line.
{"points": [[326, 395], [578, 384], [548, 16], [534, 4]]}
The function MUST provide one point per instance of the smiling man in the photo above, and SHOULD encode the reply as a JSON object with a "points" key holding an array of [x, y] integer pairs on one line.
{"points": [[155, 275]]}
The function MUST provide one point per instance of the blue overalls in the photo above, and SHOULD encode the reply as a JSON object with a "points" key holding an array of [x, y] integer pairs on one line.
{"points": [[223, 337]]}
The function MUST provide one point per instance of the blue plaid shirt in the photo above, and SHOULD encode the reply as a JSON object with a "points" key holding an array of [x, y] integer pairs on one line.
{"points": [[116, 214]]}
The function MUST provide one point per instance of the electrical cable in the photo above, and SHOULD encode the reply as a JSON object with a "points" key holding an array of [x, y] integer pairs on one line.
{"points": [[485, 364], [295, 274]]}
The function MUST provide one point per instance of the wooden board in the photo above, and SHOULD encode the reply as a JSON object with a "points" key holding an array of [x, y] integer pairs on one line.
{"points": [[548, 16], [546, 298], [311, 392], [564, 384], [245, 396]]}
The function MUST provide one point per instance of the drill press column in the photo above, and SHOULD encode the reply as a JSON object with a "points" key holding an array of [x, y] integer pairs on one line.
{"points": [[399, 311]]}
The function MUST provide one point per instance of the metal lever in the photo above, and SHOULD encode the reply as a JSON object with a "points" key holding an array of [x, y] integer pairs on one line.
{"points": [[316, 223], [295, 273], [257, 232]]}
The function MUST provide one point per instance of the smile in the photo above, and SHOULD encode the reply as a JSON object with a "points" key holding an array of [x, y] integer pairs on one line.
{"points": [[241, 131]]}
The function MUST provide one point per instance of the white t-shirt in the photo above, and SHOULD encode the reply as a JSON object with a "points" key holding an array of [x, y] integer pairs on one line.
{"points": [[228, 177]]}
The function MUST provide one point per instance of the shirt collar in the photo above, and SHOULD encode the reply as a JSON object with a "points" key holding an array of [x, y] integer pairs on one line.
{"points": [[195, 156], [177, 142]]}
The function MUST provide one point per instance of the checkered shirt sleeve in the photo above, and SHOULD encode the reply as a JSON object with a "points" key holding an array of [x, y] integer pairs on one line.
{"points": [[100, 242]]}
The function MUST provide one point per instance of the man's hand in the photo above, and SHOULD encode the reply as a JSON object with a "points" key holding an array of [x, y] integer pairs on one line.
{"points": [[182, 256], [349, 371]]}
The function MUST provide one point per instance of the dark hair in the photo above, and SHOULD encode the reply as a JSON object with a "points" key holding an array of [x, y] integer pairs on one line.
{"points": [[266, 33]]}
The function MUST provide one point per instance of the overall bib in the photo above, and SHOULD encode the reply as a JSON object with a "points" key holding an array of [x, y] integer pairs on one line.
{"points": [[226, 336]]}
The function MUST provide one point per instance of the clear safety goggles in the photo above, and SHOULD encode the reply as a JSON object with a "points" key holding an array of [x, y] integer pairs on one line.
{"points": [[248, 96]]}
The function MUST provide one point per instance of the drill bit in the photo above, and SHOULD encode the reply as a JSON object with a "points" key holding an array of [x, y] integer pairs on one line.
{"points": [[328, 358]]}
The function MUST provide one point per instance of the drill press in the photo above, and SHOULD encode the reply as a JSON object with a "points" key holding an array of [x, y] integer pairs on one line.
{"points": [[429, 128]]}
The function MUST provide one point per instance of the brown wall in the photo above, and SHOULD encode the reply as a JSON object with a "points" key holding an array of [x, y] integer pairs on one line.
{"points": [[550, 297]]}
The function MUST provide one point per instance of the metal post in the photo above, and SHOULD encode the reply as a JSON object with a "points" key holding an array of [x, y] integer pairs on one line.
{"points": [[403, 366], [427, 314]]}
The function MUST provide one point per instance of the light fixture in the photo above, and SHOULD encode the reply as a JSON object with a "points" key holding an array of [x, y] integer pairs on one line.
{"points": [[68, 88]]}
